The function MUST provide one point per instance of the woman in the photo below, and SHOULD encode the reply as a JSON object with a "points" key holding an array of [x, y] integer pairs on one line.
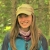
{"points": [[25, 35]]}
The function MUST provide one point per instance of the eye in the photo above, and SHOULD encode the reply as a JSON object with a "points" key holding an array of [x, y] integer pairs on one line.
{"points": [[26, 15], [20, 16]]}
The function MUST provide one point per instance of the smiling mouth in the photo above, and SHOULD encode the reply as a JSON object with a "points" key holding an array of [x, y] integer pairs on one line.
{"points": [[25, 23]]}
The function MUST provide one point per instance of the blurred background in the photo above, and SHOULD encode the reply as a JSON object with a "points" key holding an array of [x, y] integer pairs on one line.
{"points": [[41, 11]]}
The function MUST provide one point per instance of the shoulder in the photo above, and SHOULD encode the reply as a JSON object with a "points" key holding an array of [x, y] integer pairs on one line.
{"points": [[7, 37], [44, 42], [5, 42]]}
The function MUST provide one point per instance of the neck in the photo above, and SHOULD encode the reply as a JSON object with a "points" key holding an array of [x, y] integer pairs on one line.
{"points": [[25, 29]]}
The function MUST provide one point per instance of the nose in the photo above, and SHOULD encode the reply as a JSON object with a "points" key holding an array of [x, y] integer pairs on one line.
{"points": [[23, 18]]}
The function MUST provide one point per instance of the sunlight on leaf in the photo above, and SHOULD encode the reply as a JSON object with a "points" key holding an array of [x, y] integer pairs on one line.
{"points": [[46, 1], [0, 2], [3, 5], [7, 28], [1, 25]]}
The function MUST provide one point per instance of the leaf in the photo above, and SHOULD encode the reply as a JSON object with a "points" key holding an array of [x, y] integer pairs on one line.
{"points": [[7, 28]]}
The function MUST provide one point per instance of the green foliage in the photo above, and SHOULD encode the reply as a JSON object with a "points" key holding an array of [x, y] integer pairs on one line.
{"points": [[46, 1], [49, 48], [0, 45], [7, 28], [36, 13]]}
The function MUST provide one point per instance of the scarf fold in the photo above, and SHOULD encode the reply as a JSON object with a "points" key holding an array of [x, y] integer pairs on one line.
{"points": [[25, 35]]}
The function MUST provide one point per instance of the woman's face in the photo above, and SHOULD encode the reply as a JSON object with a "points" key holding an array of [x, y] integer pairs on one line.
{"points": [[24, 20]]}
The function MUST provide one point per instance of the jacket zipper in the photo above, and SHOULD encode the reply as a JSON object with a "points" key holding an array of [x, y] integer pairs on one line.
{"points": [[26, 46]]}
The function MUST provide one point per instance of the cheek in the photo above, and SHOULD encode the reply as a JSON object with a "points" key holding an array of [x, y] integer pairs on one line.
{"points": [[18, 20], [31, 19], [30, 22]]}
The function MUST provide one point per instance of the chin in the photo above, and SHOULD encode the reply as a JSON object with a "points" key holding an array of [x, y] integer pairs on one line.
{"points": [[25, 27]]}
